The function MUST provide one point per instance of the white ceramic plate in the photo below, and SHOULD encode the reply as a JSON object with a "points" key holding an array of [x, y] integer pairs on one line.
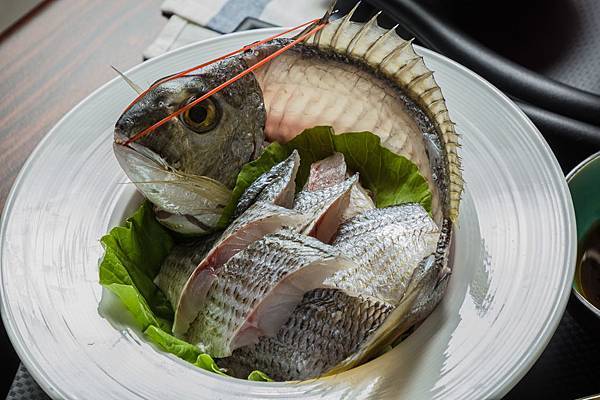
{"points": [[514, 261]]}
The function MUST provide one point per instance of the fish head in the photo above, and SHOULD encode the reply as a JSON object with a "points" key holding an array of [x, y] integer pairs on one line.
{"points": [[215, 137], [188, 166]]}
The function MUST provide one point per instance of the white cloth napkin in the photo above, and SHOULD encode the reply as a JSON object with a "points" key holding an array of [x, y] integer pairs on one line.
{"points": [[194, 20]]}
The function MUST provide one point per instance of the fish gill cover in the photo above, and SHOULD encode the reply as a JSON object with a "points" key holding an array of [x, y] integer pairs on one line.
{"points": [[393, 179], [134, 252]]}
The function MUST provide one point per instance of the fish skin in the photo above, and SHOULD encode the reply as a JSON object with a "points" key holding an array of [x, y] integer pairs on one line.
{"points": [[257, 289], [179, 265], [325, 208], [260, 219], [425, 289], [387, 245], [274, 186], [326, 327], [360, 201]]}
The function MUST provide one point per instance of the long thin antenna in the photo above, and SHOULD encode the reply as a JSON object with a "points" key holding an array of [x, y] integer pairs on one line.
{"points": [[259, 64], [131, 84], [224, 56]]}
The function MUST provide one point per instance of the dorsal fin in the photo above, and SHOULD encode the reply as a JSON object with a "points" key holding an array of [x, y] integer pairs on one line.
{"points": [[387, 53]]}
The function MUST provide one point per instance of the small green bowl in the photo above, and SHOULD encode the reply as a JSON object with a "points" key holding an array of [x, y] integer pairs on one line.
{"points": [[584, 184]]}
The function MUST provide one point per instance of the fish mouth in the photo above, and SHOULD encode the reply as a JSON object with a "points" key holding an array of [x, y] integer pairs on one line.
{"points": [[119, 132]]}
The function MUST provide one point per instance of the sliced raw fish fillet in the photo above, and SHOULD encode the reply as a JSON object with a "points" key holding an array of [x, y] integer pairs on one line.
{"points": [[387, 245], [325, 208], [425, 289], [331, 171], [257, 221], [326, 172], [360, 201], [275, 186], [255, 292], [325, 328], [179, 265]]}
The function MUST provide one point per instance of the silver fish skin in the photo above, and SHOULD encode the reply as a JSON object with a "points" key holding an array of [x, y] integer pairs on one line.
{"points": [[255, 292], [260, 219], [424, 291], [179, 265], [276, 186], [387, 245], [325, 328], [360, 202], [325, 208]]}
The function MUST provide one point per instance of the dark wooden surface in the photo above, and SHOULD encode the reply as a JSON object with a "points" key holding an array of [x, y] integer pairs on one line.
{"points": [[51, 60], [55, 58]]}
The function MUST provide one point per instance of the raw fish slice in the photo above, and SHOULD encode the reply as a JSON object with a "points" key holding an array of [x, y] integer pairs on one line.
{"points": [[387, 245], [424, 291], [179, 265], [325, 328], [325, 207], [360, 201], [255, 292], [331, 171], [259, 220], [326, 172], [275, 186]]}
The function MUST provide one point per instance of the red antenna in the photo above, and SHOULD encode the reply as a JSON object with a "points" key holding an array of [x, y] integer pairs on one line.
{"points": [[197, 67], [259, 64]]}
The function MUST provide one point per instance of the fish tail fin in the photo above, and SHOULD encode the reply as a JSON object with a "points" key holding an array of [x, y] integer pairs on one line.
{"points": [[395, 58]]}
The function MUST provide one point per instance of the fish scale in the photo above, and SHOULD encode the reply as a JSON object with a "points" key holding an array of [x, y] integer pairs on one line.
{"points": [[181, 262], [327, 326], [256, 290], [387, 245]]}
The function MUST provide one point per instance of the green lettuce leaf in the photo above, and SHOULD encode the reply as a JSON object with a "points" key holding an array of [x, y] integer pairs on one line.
{"points": [[182, 349], [132, 259], [393, 179], [258, 376]]}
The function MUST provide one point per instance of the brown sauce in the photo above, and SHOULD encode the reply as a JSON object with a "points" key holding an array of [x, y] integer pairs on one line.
{"points": [[588, 267]]}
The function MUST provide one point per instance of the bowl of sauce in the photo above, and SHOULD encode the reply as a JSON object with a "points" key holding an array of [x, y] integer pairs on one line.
{"points": [[584, 184]]}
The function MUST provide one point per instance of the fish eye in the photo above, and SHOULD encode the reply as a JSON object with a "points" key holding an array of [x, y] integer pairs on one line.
{"points": [[202, 117]]}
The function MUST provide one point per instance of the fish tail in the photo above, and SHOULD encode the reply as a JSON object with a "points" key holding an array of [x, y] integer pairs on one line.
{"points": [[395, 58]]}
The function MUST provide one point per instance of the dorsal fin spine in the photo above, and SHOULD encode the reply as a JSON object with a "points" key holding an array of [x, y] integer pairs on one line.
{"points": [[365, 28], [395, 58]]}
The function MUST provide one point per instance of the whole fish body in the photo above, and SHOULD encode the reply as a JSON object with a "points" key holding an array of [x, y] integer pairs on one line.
{"points": [[349, 75]]}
